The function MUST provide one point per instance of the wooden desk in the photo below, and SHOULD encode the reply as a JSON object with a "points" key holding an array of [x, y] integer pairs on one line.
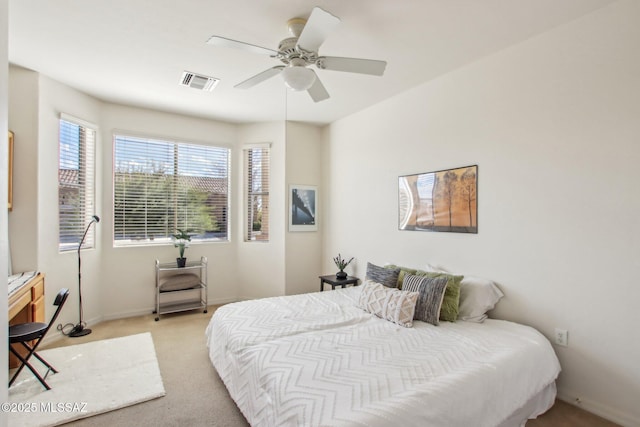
{"points": [[27, 305]]}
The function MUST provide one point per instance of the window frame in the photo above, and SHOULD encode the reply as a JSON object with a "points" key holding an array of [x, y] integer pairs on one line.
{"points": [[86, 157], [251, 235], [175, 142]]}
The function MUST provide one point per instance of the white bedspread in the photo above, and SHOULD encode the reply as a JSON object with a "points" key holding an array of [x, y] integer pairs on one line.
{"points": [[318, 360]]}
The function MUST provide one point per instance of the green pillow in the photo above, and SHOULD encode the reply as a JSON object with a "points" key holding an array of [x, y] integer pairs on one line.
{"points": [[403, 272], [451, 303]]}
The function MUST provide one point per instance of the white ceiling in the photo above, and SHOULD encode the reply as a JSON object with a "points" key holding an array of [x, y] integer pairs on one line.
{"points": [[134, 51]]}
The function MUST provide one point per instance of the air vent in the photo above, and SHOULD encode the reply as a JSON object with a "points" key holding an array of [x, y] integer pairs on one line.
{"points": [[198, 81]]}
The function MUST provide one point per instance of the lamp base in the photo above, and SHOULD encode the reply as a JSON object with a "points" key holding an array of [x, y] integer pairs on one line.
{"points": [[79, 331]]}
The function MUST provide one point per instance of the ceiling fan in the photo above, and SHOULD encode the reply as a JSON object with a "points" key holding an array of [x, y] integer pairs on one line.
{"points": [[300, 51]]}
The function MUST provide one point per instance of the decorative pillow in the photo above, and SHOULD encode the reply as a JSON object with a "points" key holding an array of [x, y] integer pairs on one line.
{"points": [[403, 271], [477, 297], [431, 290], [384, 276], [178, 282], [388, 303], [451, 303]]}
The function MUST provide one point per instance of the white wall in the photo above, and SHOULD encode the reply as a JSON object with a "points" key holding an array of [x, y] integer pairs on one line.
{"points": [[4, 244], [553, 125], [61, 269], [260, 265], [23, 113], [35, 106], [303, 255]]}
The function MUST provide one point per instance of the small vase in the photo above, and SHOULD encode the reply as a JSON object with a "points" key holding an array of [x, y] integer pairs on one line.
{"points": [[341, 275], [181, 262]]}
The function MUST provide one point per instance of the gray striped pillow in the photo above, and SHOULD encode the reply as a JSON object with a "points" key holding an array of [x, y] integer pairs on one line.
{"points": [[387, 277], [431, 291]]}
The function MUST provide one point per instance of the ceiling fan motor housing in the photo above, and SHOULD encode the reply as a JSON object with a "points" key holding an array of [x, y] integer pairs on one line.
{"points": [[289, 50], [287, 46]]}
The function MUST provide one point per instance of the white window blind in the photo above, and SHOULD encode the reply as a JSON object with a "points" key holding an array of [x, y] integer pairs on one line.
{"points": [[162, 186], [257, 202], [76, 189]]}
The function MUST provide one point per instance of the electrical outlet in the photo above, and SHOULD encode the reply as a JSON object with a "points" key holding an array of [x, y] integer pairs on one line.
{"points": [[562, 337]]}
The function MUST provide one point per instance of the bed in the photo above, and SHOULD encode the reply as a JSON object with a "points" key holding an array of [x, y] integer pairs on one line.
{"points": [[319, 360]]}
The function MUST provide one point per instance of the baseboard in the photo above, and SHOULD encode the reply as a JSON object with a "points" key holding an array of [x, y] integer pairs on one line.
{"points": [[219, 301], [597, 408], [125, 314], [149, 310]]}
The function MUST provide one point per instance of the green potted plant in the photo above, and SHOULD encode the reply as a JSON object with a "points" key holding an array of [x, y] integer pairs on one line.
{"points": [[181, 241], [341, 263]]}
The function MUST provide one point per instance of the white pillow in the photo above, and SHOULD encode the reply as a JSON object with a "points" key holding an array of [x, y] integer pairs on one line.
{"points": [[435, 269], [477, 297]]}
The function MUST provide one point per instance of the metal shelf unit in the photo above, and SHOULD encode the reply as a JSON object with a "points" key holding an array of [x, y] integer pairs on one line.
{"points": [[169, 301]]}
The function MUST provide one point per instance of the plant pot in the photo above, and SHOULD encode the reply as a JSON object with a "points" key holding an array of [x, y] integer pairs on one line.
{"points": [[181, 262], [341, 275]]}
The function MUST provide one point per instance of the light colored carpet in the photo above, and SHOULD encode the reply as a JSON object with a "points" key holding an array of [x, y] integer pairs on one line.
{"points": [[92, 378], [195, 394]]}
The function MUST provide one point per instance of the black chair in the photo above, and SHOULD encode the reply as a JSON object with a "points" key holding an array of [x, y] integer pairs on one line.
{"points": [[24, 333]]}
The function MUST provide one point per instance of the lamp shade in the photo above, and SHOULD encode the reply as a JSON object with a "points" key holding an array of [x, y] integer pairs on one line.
{"points": [[298, 78]]}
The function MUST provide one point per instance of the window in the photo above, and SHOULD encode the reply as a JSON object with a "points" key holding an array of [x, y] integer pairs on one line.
{"points": [[162, 186], [257, 170], [76, 195]]}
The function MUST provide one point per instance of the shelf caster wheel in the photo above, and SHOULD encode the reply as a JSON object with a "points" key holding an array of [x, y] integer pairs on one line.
{"points": [[205, 310], [157, 318]]}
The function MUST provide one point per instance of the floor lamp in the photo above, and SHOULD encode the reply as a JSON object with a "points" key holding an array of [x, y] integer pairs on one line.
{"points": [[79, 329]]}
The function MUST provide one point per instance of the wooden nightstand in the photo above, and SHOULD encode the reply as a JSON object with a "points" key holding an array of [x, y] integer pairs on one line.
{"points": [[331, 280]]}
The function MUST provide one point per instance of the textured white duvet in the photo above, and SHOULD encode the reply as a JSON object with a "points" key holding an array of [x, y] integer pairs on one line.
{"points": [[318, 360]]}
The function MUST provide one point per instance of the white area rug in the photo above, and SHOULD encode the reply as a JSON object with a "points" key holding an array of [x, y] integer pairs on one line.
{"points": [[92, 378]]}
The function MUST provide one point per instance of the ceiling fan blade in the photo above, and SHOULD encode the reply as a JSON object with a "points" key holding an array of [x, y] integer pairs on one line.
{"points": [[316, 30], [352, 65], [225, 42], [317, 91], [260, 77]]}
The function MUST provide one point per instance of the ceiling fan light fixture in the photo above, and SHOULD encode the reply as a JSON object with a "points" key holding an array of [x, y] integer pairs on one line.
{"points": [[298, 78]]}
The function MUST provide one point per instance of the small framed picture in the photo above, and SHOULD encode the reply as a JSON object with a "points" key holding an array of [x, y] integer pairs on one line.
{"points": [[303, 208]]}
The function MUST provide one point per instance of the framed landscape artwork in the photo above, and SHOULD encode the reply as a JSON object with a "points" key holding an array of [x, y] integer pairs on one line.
{"points": [[445, 200], [303, 203]]}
